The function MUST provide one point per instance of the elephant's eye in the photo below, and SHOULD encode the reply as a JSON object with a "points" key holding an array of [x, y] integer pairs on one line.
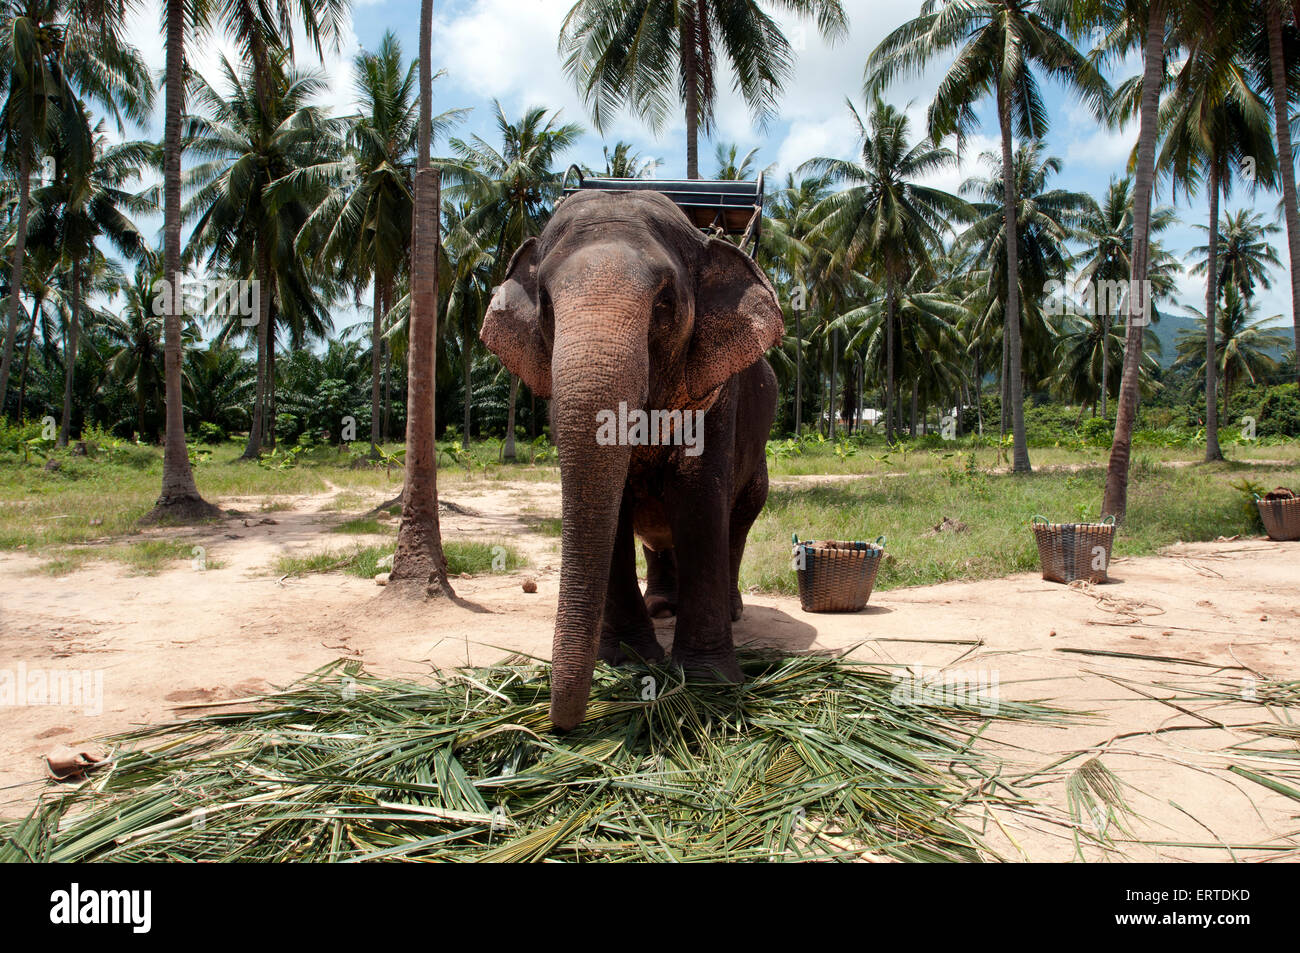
{"points": [[546, 316], [665, 305]]}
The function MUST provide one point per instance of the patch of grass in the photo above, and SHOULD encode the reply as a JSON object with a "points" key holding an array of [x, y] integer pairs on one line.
{"points": [[142, 558], [811, 758], [362, 526], [545, 525], [1166, 505], [476, 557], [463, 556]]}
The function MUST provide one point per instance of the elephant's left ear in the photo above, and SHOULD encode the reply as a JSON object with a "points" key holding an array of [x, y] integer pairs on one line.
{"points": [[737, 318], [511, 327]]}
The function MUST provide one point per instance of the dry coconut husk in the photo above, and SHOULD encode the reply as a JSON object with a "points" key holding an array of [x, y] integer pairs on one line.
{"points": [[72, 764], [1281, 493]]}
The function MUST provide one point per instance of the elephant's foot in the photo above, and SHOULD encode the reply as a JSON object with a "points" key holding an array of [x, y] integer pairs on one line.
{"points": [[629, 647], [711, 667], [737, 605], [661, 605]]}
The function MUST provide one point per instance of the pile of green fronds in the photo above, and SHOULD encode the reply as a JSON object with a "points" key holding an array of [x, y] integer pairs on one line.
{"points": [[808, 759]]}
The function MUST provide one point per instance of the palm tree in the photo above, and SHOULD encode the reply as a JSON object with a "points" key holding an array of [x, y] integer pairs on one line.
{"points": [[257, 26], [1245, 253], [732, 165], [219, 385], [788, 254], [53, 53], [1107, 231], [999, 44], [85, 202], [362, 228], [1129, 25], [623, 163], [136, 334], [1283, 64], [927, 337], [466, 270], [419, 565], [886, 223], [44, 280], [644, 54], [1241, 344], [244, 227], [1213, 122], [1047, 221], [510, 193]]}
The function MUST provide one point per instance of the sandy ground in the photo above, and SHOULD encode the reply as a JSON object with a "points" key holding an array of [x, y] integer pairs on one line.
{"points": [[168, 643]]}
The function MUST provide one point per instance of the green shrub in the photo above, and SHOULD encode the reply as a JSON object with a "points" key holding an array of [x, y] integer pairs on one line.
{"points": [[211, 433], [1098, 431], [14, 435], [1278, 414]]}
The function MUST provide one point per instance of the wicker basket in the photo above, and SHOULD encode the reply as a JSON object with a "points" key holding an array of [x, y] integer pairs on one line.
{"points": [[836, 576], [1281, 517], [1068, 551]]}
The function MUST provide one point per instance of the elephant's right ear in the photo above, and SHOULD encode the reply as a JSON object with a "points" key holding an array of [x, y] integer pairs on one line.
{"points": [[512, 326]]}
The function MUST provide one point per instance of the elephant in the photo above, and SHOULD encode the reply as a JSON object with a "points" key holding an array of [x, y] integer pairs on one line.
{"points": [[621, 306]]}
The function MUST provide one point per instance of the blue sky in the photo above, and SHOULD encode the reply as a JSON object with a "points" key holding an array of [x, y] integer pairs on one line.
{"points": [[506, 50]]}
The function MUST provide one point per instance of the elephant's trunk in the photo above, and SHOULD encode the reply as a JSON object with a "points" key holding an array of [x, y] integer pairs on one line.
{"points": [[599, 361]]}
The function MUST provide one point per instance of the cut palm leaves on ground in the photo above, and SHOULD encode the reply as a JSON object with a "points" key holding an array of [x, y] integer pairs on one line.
{"points": [[809, 759]]}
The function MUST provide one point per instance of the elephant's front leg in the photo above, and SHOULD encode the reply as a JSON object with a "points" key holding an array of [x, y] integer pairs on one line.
{"points": [[625, 621], [702, 642]]}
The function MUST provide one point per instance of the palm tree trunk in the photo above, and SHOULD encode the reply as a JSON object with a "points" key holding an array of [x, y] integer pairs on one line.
{"points": [[916, 385], [1212, 451], [270, 381], [1010, 211], [1115, 500], [1004, 401], [27, 350], [835, 353], [70, 355], [690, 78], [139, 411], [386, 432], [891, 396], [16, 267], [508, 451], [180, 498], [467, 367], [376, 368], [1105, 360], [1285, 160], [798, 375], [419, 566], [254, 446]]}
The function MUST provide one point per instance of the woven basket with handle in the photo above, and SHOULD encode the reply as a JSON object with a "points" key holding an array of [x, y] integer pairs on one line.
{"points": [[836, 576], [1281, 514], [1070, 551]]}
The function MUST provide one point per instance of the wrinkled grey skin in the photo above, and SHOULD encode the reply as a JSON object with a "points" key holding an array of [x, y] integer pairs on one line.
{"points": [[623, 300]]}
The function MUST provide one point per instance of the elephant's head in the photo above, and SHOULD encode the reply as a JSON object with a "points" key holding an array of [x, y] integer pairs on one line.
{"points": [[620, 299]]}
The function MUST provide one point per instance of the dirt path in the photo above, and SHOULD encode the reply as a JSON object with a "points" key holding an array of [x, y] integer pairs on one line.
{"points": [[167, 643]]}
